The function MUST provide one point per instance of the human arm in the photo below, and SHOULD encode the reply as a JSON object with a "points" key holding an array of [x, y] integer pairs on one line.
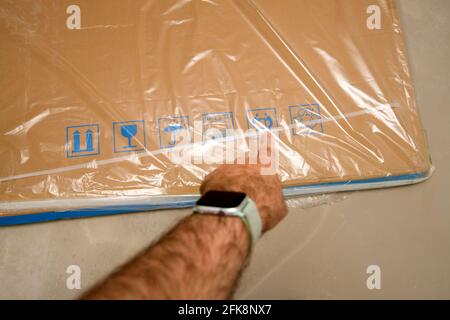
{"points": [[203, 256]]}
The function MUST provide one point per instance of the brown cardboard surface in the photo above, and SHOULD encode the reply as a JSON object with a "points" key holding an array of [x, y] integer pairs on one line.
{"points": [[151, 60]]}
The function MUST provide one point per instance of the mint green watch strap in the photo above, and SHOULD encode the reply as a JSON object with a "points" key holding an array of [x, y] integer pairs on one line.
{"points": [[252, 219]]}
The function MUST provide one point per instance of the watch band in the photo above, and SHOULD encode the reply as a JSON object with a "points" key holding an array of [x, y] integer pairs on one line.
{"points": [[247, 211], [250, 215]]}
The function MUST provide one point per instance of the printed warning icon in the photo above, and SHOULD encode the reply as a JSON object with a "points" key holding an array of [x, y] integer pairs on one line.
{"points": [[82, 141]]}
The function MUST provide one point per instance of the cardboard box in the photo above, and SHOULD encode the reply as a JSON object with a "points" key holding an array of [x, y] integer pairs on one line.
{"points": [[92, 92]]}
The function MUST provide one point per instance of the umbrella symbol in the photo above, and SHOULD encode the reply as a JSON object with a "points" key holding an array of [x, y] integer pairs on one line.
{"points": [[173, 129]]}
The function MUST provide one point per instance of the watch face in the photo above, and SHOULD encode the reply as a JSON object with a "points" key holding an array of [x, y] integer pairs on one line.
{"points": [[221, 199]]}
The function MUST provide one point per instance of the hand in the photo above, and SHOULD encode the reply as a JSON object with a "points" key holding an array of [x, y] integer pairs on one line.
{"points": [[264, 190]]}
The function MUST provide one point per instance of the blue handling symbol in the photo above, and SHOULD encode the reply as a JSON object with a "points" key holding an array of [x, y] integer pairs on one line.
{"points": [[266, 121], [173, 129], [77, 142], [308, 116], [128, 132], [89, 144]]}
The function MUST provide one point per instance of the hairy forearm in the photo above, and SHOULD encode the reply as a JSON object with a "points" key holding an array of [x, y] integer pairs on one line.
{"points": [[201, 258]]}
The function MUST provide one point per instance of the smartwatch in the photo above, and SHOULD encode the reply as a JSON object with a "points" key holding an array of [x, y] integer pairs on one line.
{"points": [[236, 204]]}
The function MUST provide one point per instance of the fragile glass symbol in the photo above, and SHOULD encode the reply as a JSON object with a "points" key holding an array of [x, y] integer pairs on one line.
{"points": [[77, 142], [128, 132]]}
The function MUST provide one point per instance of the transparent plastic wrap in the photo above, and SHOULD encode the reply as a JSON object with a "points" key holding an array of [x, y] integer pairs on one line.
{"points": [[95, 96]]}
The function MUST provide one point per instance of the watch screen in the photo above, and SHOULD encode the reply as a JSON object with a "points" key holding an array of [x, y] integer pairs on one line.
{"points": [[221, 199]]}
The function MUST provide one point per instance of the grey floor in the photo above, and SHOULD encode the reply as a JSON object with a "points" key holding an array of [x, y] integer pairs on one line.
{"points": [[320, 252]]}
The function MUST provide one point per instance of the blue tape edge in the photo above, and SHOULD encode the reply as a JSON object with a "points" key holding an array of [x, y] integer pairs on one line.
{"points": [[111, 210]]}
